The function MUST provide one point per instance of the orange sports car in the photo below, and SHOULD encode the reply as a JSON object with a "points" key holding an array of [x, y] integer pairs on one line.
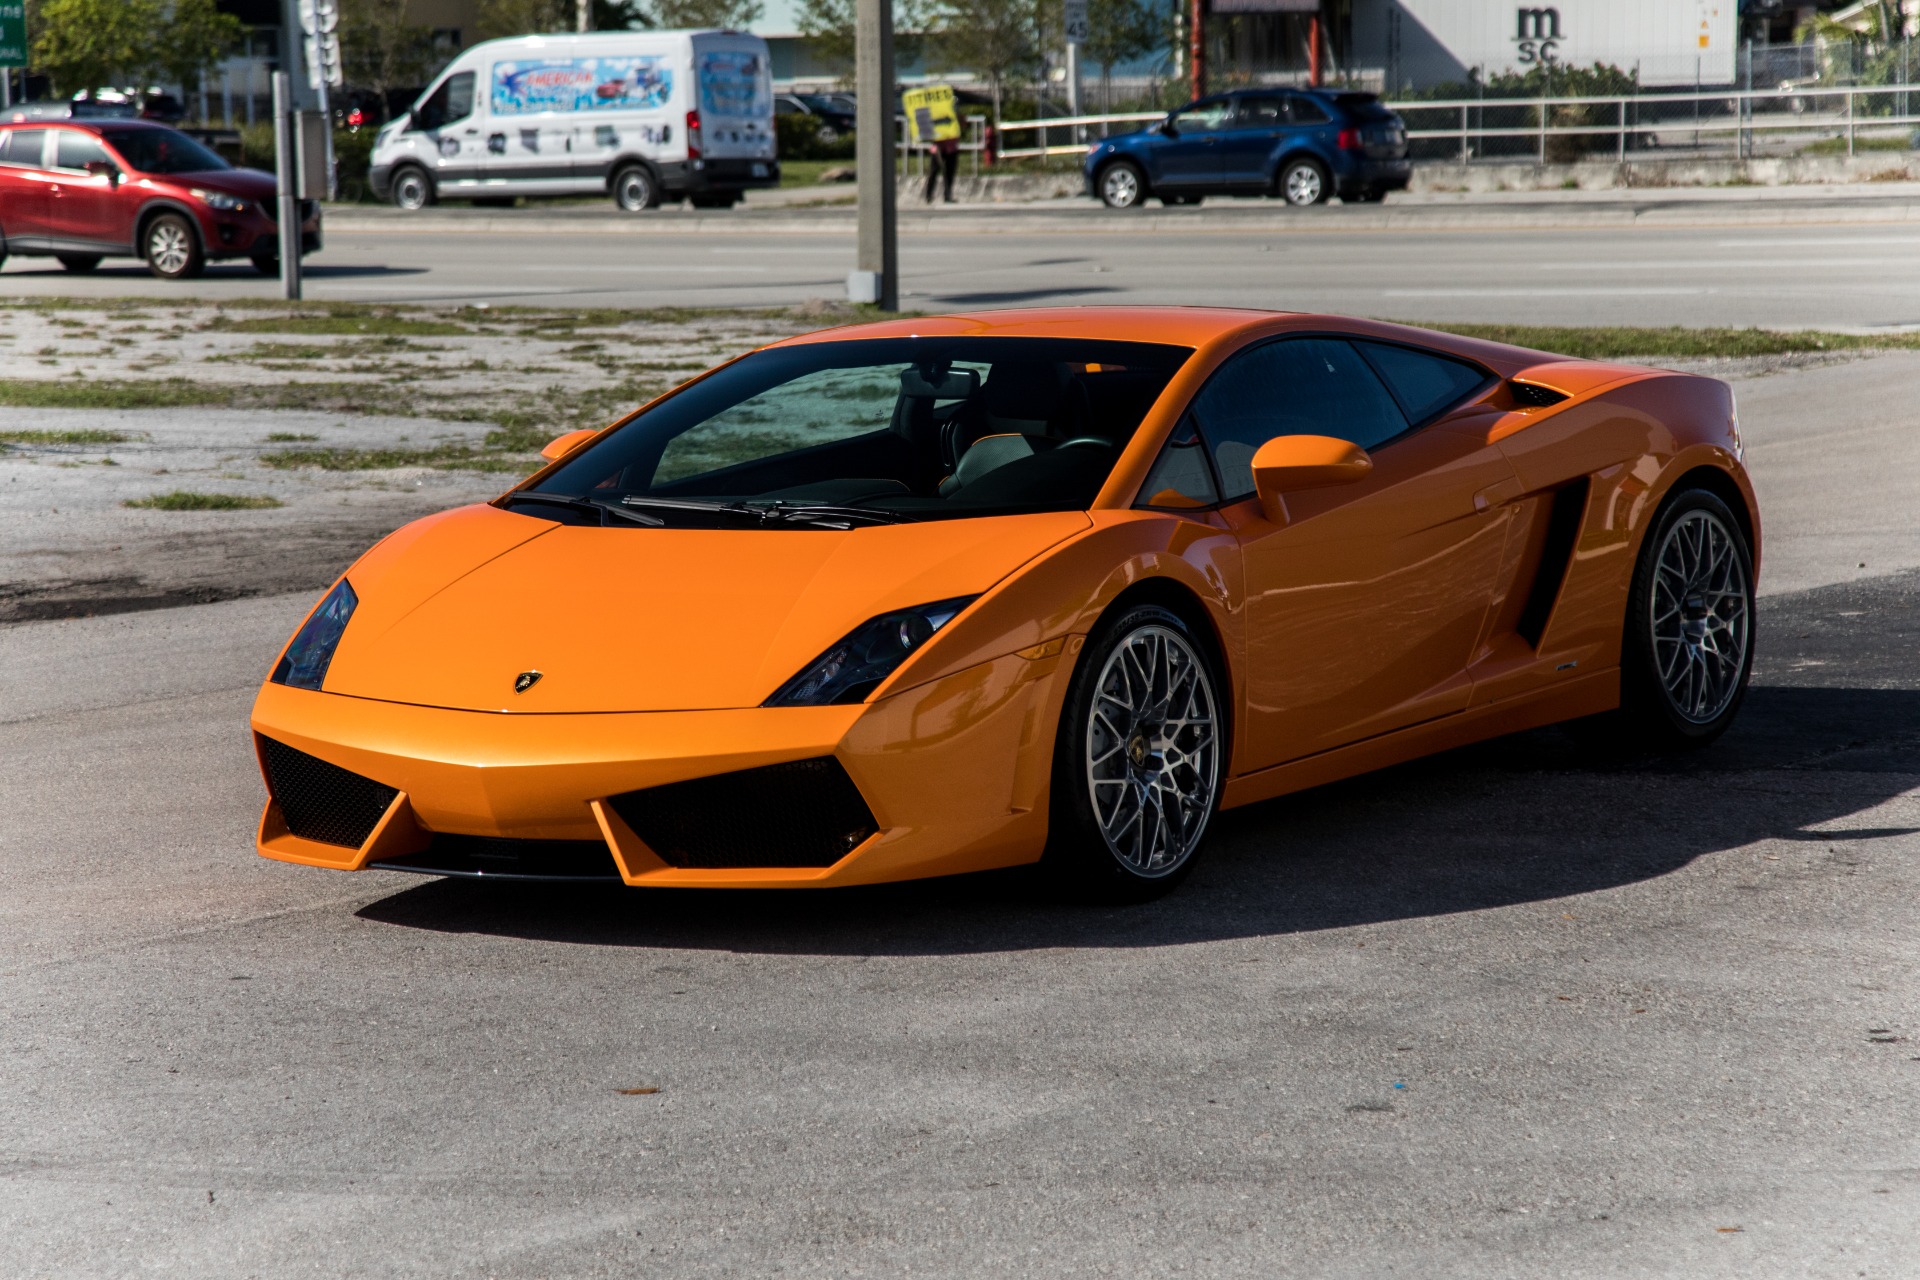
{"points": [[1053, 586]]}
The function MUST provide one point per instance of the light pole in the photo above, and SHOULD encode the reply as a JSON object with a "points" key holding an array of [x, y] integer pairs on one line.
{"points": [[876, 274]]}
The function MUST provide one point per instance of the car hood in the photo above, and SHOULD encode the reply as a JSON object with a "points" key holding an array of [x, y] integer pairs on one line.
{"points": [[249, 184], [454, 608]]}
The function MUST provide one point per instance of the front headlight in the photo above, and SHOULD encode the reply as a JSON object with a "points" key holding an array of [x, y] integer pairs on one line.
{"points": [[854, 667], [220, 200], [304, 664]]}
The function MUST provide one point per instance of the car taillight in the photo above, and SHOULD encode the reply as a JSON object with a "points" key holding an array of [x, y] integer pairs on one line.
{"points": [[693, 135], [1349, 140]]}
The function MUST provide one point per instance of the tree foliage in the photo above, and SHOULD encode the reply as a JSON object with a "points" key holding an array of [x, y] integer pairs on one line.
{"points": [[1004, 41], [734, 14], [1119, 31], [498, 18], [93, 44], [829, 27], [380, 50]]}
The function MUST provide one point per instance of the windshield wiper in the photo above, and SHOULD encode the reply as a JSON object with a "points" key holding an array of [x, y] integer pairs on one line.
{"points": [[825, 515], [599, 510]]}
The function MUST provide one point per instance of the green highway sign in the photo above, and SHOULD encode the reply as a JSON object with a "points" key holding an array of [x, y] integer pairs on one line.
{"points": [[13, 33]]}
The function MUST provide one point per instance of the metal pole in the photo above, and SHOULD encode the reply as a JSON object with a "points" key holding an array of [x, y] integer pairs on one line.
{"points": [[1849, 122], [583, 15], [1197, 46], [1463, 133], [287, 174], [876, 277], [1073, 90], [1543, 131], [1623, 131]]}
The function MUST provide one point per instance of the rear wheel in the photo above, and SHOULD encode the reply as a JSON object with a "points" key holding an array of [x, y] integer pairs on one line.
{"points": [[266, 264], [1139, 760], [635, 190], [1303, 182], [81, 262], [412, 188], [1122, 186], [171, 248]]}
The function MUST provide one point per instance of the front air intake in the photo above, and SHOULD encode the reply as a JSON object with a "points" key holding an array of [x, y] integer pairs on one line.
{"points": [[322, 801], [1535, 396], [806, 813], [499, 858]]}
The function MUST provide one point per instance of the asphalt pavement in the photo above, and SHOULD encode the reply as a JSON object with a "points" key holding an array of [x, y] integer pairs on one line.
{"points": [[1513, 1011], [1782, 257]]}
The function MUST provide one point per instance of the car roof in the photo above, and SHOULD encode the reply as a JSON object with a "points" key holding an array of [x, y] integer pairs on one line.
{"points": [[92, 124]]}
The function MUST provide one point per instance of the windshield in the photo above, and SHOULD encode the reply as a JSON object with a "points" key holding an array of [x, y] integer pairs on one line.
{"points": [[838, 434], [162, 151]]}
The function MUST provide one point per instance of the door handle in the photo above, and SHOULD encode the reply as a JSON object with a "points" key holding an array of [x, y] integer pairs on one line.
{"points": [[1495, 494]]}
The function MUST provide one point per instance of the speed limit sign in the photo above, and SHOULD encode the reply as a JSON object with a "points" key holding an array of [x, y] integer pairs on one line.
{"points": [[1076, 21]]}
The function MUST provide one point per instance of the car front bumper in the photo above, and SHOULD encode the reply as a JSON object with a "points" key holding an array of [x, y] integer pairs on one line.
{"points": [[954, 773]]}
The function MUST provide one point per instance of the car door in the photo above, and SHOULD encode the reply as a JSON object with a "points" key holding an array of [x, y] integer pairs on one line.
{"points": [[26, 193], [1188, 153], [1364, 609], [87, 213], [455, 149], [1247, 143]]}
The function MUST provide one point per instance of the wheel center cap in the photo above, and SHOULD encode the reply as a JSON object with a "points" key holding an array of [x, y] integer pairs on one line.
{"points": [[1137, 750]]}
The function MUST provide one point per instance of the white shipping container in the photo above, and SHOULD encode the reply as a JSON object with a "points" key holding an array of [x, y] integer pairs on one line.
{"points": [[1423, 42]]}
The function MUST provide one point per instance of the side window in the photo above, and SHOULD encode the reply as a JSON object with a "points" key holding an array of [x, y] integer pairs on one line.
{"points": [[1293, 387], [1423, 382], [1180, 476], [1261, 113], [23, 147], [1204, 117], [1307, 111], [450, 103], [76, 150]]}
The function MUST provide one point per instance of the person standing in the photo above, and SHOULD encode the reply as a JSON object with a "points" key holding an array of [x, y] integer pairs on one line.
{"points": [[933, 116], [943, 161]]}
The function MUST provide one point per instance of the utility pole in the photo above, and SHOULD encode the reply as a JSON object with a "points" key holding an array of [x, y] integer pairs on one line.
{"points": [[1197, 46], [583, 15], [876, 274], [286, 147]]}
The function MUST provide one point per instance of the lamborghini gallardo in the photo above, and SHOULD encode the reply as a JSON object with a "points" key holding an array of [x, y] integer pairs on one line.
{"points": [[1049, 587]]}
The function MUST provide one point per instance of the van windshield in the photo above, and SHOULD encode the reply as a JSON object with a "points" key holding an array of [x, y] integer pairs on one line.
{"points": [[839, 434]]}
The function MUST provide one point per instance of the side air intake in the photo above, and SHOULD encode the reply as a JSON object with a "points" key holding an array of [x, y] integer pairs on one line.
{"points": [[805, 813], [1535, 396], [322, 801]]}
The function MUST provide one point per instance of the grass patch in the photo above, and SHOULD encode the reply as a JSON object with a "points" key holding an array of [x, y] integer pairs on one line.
{"points": [[185, 500], [1838, 146], [289, 437], [444, 457], [82, 435], [1618, 342], [108, 394]]}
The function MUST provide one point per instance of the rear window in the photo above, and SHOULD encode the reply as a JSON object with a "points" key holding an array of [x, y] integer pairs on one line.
{"points": [[1362, 106], [22, 146]]}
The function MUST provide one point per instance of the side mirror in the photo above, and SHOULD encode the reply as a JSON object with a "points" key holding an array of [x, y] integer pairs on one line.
{"points": [[560, 446], [105, 169], [1167, 130], [1288, 463]]}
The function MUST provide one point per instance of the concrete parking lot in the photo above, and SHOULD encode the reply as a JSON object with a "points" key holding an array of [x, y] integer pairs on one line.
{"points": [[1515, 1011]]}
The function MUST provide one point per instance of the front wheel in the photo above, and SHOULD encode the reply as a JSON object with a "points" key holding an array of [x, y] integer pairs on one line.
{"points": [[412, 189], [266, 265], [1303, 182], [634, 189], [1122, 186], [171, 248], [1138, 762], [80, 262]]}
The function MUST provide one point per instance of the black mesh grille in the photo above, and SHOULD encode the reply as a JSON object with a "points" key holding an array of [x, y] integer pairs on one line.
{"points": [[491, 858], [1535, 396], [322, 801], [804, 814]]}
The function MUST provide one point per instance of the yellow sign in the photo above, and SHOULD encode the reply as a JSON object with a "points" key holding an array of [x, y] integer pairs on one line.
{"points": [[932, 114]]}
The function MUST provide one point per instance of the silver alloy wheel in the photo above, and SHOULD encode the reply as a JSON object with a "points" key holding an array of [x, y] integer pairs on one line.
{"points": [[169, 247], [633, 190], [1120, 187], [1151, 755], [1304, 184], [1700, 616], [410, 190]]}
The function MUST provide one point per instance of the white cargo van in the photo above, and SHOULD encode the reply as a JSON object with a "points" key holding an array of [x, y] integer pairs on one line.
{"points": [[645, 116]]}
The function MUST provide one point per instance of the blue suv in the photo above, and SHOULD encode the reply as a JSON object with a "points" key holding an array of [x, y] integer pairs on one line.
{"points": [[1300, 144]]}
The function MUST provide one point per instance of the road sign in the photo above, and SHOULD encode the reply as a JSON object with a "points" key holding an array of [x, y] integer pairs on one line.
{"points": [[319, 19], [1077, 30], [13, 33]]}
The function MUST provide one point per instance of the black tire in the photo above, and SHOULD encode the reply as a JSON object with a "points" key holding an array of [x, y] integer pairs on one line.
{"points": [[1659, 709], [266, 265], [1121, 185], [1303, 181], [171, 246], [79, 262], [412, 188], [1084, 859], [726, 201], [635, 189]]}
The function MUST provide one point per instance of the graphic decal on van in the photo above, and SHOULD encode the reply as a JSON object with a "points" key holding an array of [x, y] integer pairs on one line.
{"points": [[734, 84], [581, 84]]}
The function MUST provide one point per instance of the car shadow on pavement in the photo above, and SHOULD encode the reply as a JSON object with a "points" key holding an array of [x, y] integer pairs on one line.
{"points": [[236, 269], [1524, 819]]}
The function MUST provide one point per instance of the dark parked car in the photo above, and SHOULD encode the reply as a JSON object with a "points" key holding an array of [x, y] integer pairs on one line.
{"points": [[1302, 145], [81, 191], [833, 120]]}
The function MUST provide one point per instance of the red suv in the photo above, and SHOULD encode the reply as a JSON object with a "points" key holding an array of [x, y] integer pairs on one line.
{"points": [[81, 191]]}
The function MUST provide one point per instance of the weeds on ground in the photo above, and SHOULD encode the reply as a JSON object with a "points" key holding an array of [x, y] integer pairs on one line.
{"points": [[82, 435], [185, 500]]}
